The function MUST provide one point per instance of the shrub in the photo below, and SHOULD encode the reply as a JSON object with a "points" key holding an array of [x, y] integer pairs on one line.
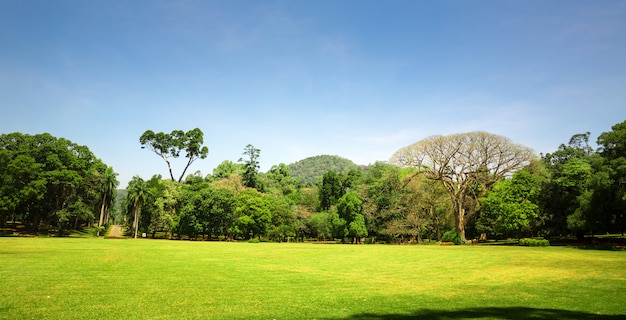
{"points": [[452, 236], [254, 240], [529, 242]]}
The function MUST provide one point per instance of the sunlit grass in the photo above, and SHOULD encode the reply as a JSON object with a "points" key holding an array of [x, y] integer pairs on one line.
{"points": [[52, 278]]}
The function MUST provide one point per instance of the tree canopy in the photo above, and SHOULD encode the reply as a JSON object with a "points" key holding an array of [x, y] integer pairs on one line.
{"points": [[52, 183], [171, 145], [464, 162]]}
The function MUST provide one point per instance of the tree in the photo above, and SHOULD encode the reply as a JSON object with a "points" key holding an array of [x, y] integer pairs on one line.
{"points": [[109, 185], [380, 190], [320, 226], [513, 204], [226, 169], [349, 209], [251, 166], [465, 160], [48, 181], [206, 211], [171, 145], [253, 214], [138, 193], [166, 196], [569, 168], [330, 190], [613, 150], [278, 180]]}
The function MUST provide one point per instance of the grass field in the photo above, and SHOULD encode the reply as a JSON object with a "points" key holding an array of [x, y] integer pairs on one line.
{"points": [[66, 278]]}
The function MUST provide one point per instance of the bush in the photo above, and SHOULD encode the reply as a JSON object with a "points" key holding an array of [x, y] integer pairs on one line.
{"points": [[452, 236], [254, 240], [529, 242]]}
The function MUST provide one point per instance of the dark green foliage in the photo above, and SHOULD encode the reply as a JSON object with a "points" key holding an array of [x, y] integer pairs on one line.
{"points": [[251, 167], [330, 190], [311, 170], [529, 242], [513, 205], [52, 183], [452, 236], [206, 211], [253, 214]]}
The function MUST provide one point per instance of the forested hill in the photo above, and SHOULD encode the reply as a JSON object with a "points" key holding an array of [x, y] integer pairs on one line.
{"points": [[309, 170]]}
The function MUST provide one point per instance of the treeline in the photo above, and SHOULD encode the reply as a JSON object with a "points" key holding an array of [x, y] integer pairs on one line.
{"points": [[462, 186], [53, 184]]}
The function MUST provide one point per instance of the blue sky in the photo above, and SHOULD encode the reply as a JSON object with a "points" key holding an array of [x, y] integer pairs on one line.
{"points": [[359, 79]]}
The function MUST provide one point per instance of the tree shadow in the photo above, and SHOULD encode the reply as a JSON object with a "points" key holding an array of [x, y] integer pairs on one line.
{"points": [[509, 313]]}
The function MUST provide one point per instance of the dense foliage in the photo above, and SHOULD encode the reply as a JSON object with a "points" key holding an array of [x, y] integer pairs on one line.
{"points": [[493, 189], [52, 183]]}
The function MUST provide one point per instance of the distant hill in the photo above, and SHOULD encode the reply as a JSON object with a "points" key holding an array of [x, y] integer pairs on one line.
{"points": [[309, 170]]}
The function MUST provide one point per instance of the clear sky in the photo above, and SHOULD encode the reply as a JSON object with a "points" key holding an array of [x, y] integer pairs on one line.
{"points": [[358, 79]]}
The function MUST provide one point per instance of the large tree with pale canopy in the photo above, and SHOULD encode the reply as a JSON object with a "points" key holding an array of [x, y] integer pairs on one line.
{"points": [[465, 162]]}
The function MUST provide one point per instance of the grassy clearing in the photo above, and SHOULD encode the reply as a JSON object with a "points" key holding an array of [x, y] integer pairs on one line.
{"points": [[61, 278]]}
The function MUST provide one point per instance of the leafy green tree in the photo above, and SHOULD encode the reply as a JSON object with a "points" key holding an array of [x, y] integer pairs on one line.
{"points": [[320, 225], [109, 186], [226, 169], [613, 150], [278, 180], [206, 211], [253, 214], [138, 193], [380, 190], [251, 166], [48, 181], [513, 204], [569, 168], [330, 190], [171, 145], [283, 224], [338, 225], [349, 209], [166, 196]]}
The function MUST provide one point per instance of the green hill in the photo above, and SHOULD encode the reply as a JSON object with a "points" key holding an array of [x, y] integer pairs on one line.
{"points": [[309, 170]]}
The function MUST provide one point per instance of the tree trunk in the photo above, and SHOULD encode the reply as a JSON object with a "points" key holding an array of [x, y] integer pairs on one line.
{"points": [[101, 215], [460, 222], [136, 223]]}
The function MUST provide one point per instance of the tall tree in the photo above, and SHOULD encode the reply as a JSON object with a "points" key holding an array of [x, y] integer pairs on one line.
{"points": [[513, 204], [613, 150], [570, 169], [251, 166], [137, 195], [171, 145], [48, 181], [109, 185], [253, 214], [349, 209], [330, 190], [462, 161]]}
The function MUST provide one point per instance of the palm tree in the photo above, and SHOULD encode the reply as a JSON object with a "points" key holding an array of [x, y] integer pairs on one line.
{"points": [[109, 184], [137, 194]]}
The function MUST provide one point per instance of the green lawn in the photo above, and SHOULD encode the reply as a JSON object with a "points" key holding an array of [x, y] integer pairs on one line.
{"points": [[65, 278]]}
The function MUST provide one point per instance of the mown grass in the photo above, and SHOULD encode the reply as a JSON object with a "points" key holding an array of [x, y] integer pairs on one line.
{"points": [[65, 278]]}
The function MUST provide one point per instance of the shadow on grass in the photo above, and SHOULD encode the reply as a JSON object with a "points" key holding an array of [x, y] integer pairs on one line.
{"points": [[511, 313]]}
